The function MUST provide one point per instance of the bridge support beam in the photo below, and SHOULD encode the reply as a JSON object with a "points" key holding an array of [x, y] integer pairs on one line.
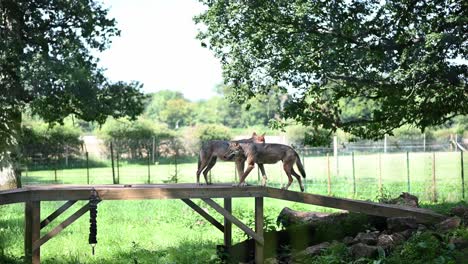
{"points": [[32, 231]]}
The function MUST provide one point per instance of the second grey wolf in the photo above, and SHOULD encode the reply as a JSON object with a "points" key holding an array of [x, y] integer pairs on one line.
{"points": [[214, 149], [267, 154]]}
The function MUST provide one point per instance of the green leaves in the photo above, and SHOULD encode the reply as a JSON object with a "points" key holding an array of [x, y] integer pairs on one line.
{"points": [[396, 57]]}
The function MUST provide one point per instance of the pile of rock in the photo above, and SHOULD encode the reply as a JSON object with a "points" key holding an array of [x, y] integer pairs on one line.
{"points": [[368, 244]]}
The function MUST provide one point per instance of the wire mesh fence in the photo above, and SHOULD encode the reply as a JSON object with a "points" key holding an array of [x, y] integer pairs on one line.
{"points": [[362, 170]]}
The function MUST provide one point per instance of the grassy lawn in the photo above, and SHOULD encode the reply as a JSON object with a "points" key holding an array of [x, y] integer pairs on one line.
{"points": [[168, 231]]}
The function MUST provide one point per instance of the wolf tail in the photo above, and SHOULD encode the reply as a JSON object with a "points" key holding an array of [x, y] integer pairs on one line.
{"points": [[300, 166]]}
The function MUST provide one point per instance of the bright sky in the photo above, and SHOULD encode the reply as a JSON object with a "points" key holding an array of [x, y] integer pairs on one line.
{"points": [[157, 47]]}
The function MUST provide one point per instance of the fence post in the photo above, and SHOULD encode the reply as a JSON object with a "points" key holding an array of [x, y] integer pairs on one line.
{"points": [[328, 174], [462, 174], [385, 143], [380, 174], [354, 175], [154, 149], [87, 167], [112, 163], [434, 191], [175, 163], [149, 164], [335, 154], [118, 164], [55, 169], [424, 142], [407, 171]]}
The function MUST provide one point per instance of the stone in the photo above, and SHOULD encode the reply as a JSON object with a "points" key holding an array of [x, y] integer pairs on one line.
{"points": [[312, 251], [460, 211], [271, 261], [405, 199], [449, 224], [369, 238], [348, 240], [398, 224], [459, 242], [390, 241], [361, 250]]}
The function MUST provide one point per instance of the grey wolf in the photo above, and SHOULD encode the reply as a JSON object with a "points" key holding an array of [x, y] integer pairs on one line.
{"points": [[214, 149], [267, 154]]}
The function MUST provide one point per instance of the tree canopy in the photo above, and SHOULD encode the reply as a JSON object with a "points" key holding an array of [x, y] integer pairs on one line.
{"points": [[48, 63], [398, 62]]}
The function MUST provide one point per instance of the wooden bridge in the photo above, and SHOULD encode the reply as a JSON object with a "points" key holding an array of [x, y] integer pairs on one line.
{"points": [[32, 196]]}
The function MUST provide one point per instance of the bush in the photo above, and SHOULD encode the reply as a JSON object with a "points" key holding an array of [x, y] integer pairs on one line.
{"points": [[212, 132], [44, 142], [134, 139]]}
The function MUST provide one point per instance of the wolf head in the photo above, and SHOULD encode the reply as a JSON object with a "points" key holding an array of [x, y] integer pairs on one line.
{"points": [[258, 138], [233, 150]]}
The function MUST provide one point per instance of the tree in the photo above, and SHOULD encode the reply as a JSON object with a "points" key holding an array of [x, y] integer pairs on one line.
{"points": [[178, 112], [158, 103], [47, 65], [401, 62]]}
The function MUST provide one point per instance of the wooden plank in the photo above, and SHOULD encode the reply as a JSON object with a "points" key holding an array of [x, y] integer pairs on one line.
{"points": [[32, 232], [133, 192], [205, 215], [57, 213], [370, 208], [61, 226], [259, 254], [227, 223], [234, 220]]}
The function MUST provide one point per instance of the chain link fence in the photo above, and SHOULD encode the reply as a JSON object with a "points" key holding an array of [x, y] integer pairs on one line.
{"points": [[432, 170]]}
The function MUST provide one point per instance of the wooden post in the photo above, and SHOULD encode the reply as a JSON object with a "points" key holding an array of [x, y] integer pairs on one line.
{"points": [[385, 143], [87, 167], [462, 174], [354, 174], [154, 149], [328, 174], [380, 174], [149, 164], [118, 165], [114, 181], [335, 154], [434, 191], [424, 142], [407, 172], [55, 169], [227, 224], [259, 257], [32, 231]]}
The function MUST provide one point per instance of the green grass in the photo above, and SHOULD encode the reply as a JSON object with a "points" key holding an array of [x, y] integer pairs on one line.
{"points": [[168, 231], [393, 173]]}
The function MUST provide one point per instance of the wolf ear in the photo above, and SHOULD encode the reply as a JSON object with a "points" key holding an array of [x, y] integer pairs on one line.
{"points": [[263, 134], [254, 134]]}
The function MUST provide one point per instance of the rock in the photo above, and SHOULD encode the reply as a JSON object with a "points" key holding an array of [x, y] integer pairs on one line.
{"points": [[271, 261], [390, 241], [361, 250], [369, 238], [405, 199], [289, 217], [422, 227], [312, 251], [406, 234], [398, 224], [459, 242], [449, 224], [460, 211], [348, 240]]}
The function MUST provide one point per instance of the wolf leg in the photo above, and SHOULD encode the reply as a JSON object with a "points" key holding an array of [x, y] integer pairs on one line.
{"points": [[203, 160], [287, 168], [247, 171], [264, 177], [298, 177], [208, 168]]}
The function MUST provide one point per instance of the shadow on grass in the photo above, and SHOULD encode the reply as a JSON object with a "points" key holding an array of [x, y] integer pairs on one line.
{"points": [[444, 208], [189, 252]]}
